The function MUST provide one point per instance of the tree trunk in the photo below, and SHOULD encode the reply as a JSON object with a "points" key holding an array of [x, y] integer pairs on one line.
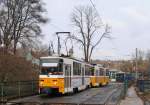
{"points": [[5, 49], [14, 49]]}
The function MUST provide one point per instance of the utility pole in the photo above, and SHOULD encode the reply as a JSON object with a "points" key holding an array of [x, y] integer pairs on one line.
{"points": [[136, 64], [59, 46], [50, 52]]}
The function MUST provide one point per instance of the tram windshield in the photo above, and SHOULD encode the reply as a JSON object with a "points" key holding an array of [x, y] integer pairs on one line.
{"points": [[51, 67]]}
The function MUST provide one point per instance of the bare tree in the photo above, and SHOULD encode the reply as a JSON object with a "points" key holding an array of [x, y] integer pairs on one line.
{"points": [[89, 29], [40, 50], [68, 41], [20, 21], [148, 56], [0, 40], [140, 57]]}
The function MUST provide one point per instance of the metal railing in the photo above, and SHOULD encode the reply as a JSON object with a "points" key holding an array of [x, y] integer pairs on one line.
{"points": [[143, 85], [9, 90]]}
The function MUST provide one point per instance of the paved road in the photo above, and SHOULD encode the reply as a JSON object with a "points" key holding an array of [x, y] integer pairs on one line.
{"points": [[98, 96]]}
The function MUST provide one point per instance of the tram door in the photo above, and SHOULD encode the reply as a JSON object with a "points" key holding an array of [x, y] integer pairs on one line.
{"points": [[82, 75], [97, 75], [67, 76]]}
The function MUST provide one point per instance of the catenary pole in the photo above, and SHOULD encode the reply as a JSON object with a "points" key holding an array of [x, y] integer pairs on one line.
{"points": [[136, 64]]}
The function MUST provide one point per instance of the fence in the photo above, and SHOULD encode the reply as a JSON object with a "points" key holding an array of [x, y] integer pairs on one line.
{"points": [[9, 90], [143, 85], [127, 83]]}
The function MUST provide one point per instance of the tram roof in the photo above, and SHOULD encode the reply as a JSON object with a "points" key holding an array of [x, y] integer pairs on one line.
{"points": [[114, 70], [60, 57], [121, 72]]}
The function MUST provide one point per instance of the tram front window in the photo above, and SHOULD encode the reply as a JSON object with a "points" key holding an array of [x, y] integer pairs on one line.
{"points": [[51, 71], [51, 66]]}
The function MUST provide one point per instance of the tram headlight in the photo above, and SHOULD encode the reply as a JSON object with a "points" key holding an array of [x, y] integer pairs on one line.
{"points": [[41, 82], [55, 83]]}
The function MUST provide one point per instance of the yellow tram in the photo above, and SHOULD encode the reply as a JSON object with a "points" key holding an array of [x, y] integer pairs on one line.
{"points": [[68, 75]]}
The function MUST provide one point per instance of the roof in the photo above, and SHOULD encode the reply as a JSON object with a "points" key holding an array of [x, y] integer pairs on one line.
{"points": [[115, 70], [48, 57]]}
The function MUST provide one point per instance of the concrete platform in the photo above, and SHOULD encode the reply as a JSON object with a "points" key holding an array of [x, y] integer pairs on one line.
{"points": [[132, 98]]}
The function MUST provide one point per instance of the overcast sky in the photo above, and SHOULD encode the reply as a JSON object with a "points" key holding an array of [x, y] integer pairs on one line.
{"points": [[129, 19]]}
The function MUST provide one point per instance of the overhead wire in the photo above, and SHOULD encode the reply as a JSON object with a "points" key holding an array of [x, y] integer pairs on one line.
{"points": [[96, 11]]}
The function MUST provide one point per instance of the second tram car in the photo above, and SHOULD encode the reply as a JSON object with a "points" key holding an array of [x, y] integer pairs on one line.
{"points": [[100, 76]]}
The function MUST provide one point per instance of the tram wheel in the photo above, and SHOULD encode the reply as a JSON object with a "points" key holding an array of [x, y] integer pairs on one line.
{"points": [[75, 90], [100, 85], [91, 85]]}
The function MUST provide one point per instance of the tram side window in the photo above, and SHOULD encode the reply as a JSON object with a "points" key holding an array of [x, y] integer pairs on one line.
{"points": [[67, 70], [76, 68], [107, 73], [87, 70], [101, 73], [113, 75], [97, 72]]}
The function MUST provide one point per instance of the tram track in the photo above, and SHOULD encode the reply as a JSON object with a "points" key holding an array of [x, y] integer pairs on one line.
{"points": [[94, 96], [107, 99], [115, 97]]}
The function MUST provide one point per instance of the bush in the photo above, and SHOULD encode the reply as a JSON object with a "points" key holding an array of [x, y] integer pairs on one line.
{"points": [[14, 68]]}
